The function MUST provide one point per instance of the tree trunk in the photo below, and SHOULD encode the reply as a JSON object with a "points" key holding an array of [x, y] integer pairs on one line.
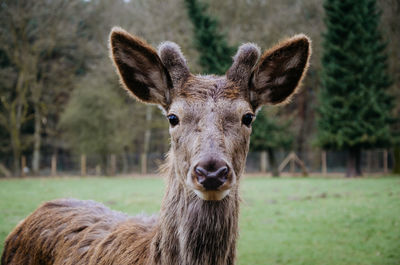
{"points": [[104, 164], [15, 136], [36, 140], [354, 163], [125, 161], [147, 136], [324, 168], [396, 155], [272, 163], [16, 148], [302, 105], [17, 115]]}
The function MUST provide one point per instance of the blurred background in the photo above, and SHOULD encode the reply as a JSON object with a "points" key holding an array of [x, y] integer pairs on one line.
{"points": [[62, 111]]}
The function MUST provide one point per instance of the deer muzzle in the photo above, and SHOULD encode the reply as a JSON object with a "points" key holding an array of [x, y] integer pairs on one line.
{"points": [[212, 178]]}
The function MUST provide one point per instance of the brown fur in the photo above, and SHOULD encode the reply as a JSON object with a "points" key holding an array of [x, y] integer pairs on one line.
{"points": [[195, 226], [280, 71]]}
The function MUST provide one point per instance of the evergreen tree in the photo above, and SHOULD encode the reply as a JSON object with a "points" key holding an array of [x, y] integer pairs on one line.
{"points": [[355, 110], [215, 53], [269, 134]]}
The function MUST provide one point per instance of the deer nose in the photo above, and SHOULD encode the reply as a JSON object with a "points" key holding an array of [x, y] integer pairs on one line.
{"points": [[211, 174]]}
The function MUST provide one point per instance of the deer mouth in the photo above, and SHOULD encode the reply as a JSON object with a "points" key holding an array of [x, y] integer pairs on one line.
{"points": [[211, 189], [211, 195]]}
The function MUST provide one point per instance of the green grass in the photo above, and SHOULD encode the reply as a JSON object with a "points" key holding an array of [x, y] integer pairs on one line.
{"points": [[283, 221]]}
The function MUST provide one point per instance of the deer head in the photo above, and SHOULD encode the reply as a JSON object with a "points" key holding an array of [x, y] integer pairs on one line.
{"points": [[210, 116]]}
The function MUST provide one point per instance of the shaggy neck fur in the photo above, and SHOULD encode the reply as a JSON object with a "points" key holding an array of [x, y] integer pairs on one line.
{"points": [[194, 231]]}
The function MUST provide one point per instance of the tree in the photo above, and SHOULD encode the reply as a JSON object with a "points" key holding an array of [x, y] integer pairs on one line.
{"points": [[15, 74], [355, 110], [269, 134], [44, 48], [215, 53], [391, 26], [94, 119]]}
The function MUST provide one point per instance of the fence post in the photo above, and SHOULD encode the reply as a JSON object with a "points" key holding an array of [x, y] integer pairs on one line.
{"points": [[143, 163], [292, 158], [98, 170], [385, 161], [323, 163], [23, 166], [83, 165], [292, 165], [263, 162], [3, 170], [53, 165]]}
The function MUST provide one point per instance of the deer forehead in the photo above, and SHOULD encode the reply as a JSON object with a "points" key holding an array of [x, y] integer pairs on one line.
{"points": [[200, 110], [202, 97], [207, 102], [209, 86]]}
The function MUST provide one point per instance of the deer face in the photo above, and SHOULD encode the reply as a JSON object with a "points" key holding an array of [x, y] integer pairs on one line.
{"points": [[209, 136], [210, 116]]}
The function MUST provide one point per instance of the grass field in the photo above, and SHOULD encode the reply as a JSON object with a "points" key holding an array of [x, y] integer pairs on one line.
{"points": [[283, 221]]}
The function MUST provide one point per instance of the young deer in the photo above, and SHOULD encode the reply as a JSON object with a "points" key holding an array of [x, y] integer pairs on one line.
{"points": [[210, 124]]}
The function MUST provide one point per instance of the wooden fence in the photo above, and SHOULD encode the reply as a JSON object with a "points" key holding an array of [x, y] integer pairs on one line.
{"points": [[322, 162]]}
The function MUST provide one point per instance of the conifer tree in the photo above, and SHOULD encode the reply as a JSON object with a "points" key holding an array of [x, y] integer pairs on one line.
{"points": [[355, 110], [215, 53]]}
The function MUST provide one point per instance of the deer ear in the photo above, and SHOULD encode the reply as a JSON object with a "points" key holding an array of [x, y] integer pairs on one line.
{"points": [[140, 68], [243, 64], [279, 71], [173, 59]]}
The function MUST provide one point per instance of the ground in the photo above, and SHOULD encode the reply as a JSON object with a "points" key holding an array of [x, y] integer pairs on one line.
{"points": [[283, 221]]}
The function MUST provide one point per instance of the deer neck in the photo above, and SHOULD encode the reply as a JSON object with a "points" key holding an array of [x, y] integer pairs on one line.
{"points": [[194, 231]]}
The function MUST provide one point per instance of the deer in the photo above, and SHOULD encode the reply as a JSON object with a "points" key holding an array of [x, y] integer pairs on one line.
{"points": [[210, 121]]}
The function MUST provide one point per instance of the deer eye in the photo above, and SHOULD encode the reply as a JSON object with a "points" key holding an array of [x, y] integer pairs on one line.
{"points": [[247, 119], [173, 119]]}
